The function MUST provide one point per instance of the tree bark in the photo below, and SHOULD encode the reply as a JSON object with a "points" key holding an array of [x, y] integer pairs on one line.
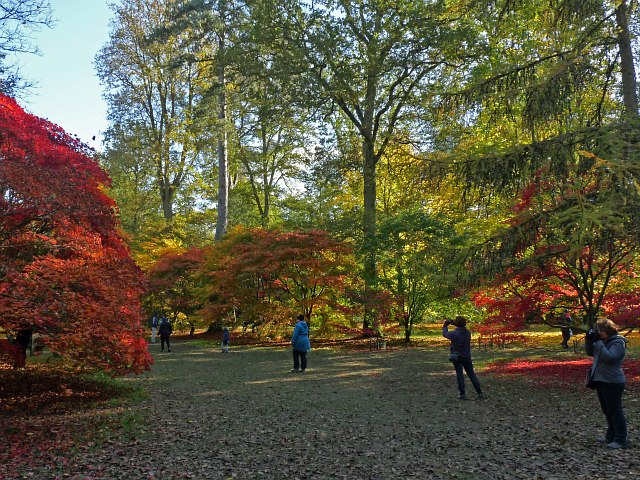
{"points": [[369, 228], [223, 166], [627, 67], [167, 193]]}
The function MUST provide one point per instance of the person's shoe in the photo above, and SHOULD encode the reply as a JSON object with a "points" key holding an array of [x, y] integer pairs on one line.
{"points": [[294, 370], [481, 396], [462, 396], [301, 371], [603, 440], [617, 445], [169, 350]]}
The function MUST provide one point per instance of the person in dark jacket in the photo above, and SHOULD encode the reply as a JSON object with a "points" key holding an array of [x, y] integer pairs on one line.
{"points": [[165, 330], [226, 338], [565, 329], [608, 349], [23, 340], [301, 344], [461, 354]]}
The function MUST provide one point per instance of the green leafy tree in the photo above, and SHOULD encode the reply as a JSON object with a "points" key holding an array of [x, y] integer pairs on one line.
{"points": [[551, 125], [370, 61], [271, 134], [581, 233], [415, 263], [156, 91]]}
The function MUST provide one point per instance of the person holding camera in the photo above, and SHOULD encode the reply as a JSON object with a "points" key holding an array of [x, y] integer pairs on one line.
{"points": [[608, 348], [461, 354]]}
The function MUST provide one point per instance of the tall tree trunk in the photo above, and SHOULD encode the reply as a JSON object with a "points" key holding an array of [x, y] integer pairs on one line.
{"points": [[406, 309], [627, 67], [266, 201], [266, 182], [166, 193], [369, 214], [369, 228], [223, 166], [408, 324]]}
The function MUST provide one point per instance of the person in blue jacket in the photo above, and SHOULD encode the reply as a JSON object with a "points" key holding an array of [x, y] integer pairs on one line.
{"points": [[226, 338], [461, 354], [301, 344]]}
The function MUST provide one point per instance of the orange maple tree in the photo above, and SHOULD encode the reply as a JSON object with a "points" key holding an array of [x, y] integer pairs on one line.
{"points": [[65, 271], [172, 284], [267, 276]]}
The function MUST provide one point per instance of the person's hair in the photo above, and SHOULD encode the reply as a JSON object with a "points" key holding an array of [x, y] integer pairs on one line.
{"points": [[300, 317], [460, 321], [607, 326]]}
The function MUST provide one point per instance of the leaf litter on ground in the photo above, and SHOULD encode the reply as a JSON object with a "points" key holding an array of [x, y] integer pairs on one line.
{"points": [[353, 414]]}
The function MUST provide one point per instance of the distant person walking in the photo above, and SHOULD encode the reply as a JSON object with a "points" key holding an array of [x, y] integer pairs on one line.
{"points": [[226, 338], [567, 333], [23, 339], [165, 332], [461, 355], [301, 345], [154, 327], [608, 349]]}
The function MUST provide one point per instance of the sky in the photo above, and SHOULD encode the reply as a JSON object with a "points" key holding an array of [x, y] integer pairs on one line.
{"points": [[68, 92]]}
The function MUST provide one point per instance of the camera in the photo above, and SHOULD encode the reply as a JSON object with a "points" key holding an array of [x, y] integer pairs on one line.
{"points": [[592, 335]]}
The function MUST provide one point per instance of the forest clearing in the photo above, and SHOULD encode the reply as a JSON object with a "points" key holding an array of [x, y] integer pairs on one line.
{"points": [[331, 186], [356, 413]]}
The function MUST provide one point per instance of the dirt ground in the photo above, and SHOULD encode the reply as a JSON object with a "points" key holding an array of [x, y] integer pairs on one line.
{"points": [[352, 415]]}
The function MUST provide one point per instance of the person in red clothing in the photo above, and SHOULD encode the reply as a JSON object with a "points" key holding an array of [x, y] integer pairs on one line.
{"points": [[461, 354]]}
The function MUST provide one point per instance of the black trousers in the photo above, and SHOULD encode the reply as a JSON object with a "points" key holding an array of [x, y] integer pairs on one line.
{"points": [[610, 396], [466, 364], [299, 359], [163, 339]]}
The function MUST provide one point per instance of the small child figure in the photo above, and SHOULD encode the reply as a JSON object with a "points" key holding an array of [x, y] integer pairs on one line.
{"points": [[226, 337]]}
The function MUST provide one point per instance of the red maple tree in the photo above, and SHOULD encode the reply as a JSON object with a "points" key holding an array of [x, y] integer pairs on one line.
{"points": [[172, 284], [570, 243], [269, 276], [65, 271]]}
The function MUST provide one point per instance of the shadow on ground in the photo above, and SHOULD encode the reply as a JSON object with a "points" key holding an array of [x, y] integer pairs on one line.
{"points": [[364, 415]]}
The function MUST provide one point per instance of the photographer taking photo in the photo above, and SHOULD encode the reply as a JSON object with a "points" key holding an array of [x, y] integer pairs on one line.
{"points": [[461, 354], [608, 348]]}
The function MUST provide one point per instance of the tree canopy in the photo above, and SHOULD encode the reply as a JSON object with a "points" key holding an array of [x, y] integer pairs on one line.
{"points": [[452, 144], [18, 20], [65, 270]]}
